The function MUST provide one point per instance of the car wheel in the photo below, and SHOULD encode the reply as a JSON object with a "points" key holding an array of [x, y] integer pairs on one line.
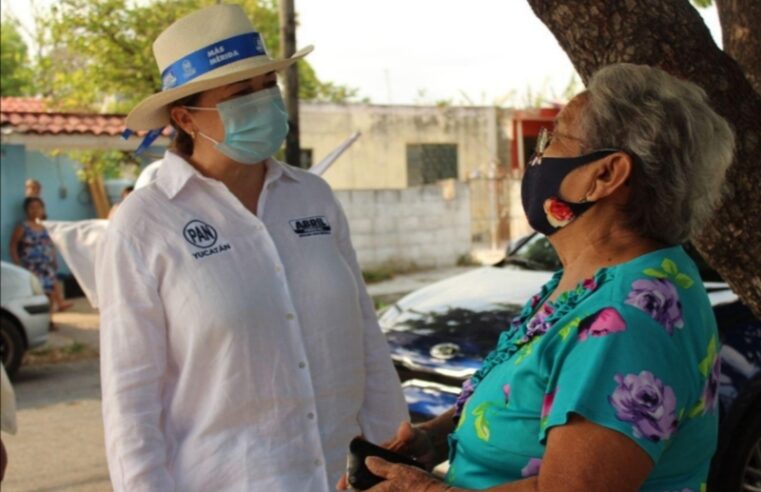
{"points": [[11, 346], [740, 469]]}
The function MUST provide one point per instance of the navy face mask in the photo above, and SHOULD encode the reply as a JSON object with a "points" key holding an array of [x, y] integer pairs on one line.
{"points": [[540, 191]]}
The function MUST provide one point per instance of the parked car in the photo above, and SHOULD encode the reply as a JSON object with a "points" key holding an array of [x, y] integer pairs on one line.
{"points": [[440, 334], [24, 315]]}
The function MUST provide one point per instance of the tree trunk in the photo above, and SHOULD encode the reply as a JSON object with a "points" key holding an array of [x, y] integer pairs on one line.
{"points": [[741, 40], [670, 34]]}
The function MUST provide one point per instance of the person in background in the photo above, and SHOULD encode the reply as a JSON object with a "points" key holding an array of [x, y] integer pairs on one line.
{"points": [[32, 248], [125, 192], [607, 380], [32, 189], [239, 347]]}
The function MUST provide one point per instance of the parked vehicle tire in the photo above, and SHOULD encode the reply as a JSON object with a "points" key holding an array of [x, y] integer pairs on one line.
{"points": [[740, 466], [11, 345]]}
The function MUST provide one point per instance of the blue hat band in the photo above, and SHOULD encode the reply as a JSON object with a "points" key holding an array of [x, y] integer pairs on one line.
{"points": [[211, 57]]}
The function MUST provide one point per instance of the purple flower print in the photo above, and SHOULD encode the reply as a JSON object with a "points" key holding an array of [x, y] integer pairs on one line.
{"points": [[712, 385], [538, 325], [532, 468], [603, 322], [467, 391], [647, 403], [659, 299]]}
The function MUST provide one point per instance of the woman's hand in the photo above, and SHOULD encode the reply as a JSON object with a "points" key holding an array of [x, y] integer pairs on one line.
{"points": [[409, 440], [402, 478], [414, 441]]}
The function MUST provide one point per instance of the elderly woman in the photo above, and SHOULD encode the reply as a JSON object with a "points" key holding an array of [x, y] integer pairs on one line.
{"points": [[607, 379], [240, 350]]}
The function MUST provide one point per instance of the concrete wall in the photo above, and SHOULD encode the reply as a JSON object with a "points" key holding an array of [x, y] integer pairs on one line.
{"points": [[378, 160], [518, 223], [426, 226], [65, 196]]}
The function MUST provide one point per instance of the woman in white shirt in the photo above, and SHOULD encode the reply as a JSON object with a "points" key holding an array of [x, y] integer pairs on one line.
{"points": [[240, 350]]}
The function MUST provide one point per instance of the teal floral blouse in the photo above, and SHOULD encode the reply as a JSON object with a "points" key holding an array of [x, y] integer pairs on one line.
{"points": [[633, 349]]}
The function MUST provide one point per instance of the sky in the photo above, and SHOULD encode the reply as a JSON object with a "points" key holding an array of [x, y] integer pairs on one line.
{"points": [[423, 51]]}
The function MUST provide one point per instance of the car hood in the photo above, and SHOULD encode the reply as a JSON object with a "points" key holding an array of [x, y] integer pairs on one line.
{"points": [[15, 282], [449, 326], [478, 290]]}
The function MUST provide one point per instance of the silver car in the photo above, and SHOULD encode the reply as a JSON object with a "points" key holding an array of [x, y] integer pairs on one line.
{"points": [[24, 315]]}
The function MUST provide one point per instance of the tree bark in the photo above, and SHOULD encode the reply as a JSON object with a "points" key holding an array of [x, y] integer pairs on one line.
{"points": [[670, 34], [742, 41]]}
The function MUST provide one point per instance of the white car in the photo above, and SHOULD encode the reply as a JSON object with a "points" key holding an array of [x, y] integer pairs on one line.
{"points": [[24, 315]]}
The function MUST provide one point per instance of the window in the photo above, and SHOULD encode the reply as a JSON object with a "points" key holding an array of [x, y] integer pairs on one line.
{"points": [[429, 163]]}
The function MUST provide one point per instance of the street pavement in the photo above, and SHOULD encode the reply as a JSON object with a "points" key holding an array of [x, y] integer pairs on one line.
{"points": [[59, 444]]}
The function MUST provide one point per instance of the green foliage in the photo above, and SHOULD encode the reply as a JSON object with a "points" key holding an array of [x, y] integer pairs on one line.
{"points": [[702, 3], [15, 73], [375, 275], [99, 52], [108, 164]]}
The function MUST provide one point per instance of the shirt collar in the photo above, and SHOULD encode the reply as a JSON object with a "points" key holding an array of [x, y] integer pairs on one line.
{"points": [[175, 172]]}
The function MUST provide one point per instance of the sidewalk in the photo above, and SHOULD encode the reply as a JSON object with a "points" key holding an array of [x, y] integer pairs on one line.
{"points": [[401, 285]]}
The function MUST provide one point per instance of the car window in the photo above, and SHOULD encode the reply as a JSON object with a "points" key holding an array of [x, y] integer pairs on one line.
{"points": [[536, 253]]}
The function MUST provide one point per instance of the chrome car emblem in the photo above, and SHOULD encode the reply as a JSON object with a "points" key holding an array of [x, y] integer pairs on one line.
{"points": [[444, 351]]}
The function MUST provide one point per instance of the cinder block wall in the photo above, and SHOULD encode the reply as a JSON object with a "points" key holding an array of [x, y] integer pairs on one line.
{"points": [[418, 226]]}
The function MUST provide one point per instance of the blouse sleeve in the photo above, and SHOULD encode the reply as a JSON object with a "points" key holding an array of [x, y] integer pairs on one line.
{"points": [[133, 366], [620, 369], [383, 408]]}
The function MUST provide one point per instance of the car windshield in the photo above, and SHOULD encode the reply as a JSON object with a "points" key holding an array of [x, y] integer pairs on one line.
{"points": [[533, 253], [536, 253]]}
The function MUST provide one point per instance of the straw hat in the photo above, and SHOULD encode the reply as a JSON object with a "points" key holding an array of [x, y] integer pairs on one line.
{"points": [[209, 48]]}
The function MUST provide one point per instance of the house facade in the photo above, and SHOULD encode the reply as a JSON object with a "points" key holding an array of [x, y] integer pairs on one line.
{"points": [[33, 145]]}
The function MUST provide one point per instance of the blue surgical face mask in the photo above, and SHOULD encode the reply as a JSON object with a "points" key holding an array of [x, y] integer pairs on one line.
{"points": [[255, 126]]}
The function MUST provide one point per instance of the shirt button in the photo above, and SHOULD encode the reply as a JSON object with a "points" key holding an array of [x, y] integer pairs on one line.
{"points": [[258, 227], [317, 462], [289, 316], [278, 268], [310, 416], [302, 365]]}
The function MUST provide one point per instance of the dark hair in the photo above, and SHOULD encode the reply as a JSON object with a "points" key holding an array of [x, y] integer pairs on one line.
{"points": [[183, 142], [28, 201], [129, 189]]}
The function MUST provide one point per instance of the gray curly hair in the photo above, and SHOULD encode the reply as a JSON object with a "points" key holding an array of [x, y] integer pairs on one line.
{"points": [[680, 146]]}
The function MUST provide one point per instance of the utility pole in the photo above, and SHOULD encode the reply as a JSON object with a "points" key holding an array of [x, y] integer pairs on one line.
{"points": [[287, 49]]}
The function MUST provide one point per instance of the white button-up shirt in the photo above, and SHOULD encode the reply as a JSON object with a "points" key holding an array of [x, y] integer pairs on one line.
{"points": [[238, 352]]}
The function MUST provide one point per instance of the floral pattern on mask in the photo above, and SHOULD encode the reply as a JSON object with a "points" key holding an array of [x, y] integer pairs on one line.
{"points": [[558, 213]]}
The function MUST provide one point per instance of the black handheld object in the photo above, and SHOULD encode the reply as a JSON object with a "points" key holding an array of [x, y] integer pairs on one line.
{"points": [[359, 477]]}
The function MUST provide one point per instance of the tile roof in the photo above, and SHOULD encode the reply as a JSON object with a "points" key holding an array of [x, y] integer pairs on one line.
{"points": [[32, 116]]}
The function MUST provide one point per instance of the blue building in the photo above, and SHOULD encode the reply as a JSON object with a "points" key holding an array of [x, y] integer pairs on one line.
{"points": [[31, 142]]}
